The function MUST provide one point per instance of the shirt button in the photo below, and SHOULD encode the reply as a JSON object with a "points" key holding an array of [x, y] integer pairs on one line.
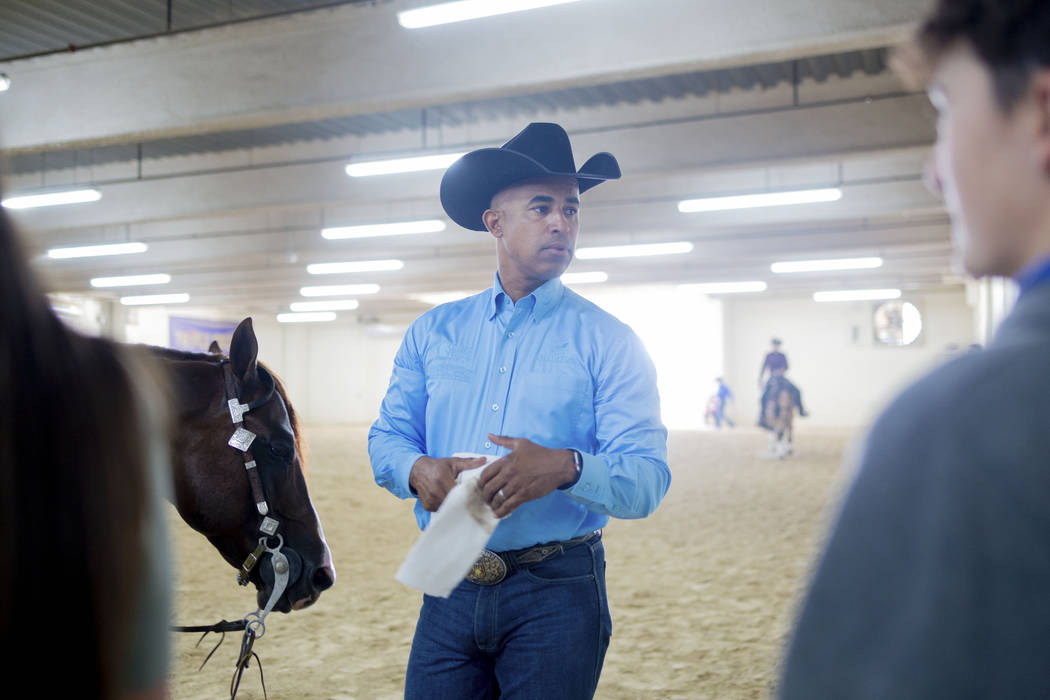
{"points": [[511, 334], [488, 444], [502, 370], [495, 407]]}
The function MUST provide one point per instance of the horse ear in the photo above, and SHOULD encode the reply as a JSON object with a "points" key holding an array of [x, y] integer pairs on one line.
{"points": [[214, 348], [244, 350]]}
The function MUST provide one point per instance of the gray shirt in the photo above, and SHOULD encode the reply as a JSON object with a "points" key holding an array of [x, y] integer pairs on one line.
{"points": [[935, 581]]}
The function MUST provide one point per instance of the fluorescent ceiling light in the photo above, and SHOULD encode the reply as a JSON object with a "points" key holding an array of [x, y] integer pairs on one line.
{"points": [[767, 199], [354, 266], [151, 299], [858, 295], [412, 164], [630, 251], [584, 277], [90, 251], [50, 199], [309, 317], [725, 287], [339, 290], [448, 12], [399, 228], [826, 265], [130, 280], [438, 298], [327, 305]]}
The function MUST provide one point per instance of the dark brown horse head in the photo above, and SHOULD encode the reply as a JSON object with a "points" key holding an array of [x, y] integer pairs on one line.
{"points": [[213, 493]]}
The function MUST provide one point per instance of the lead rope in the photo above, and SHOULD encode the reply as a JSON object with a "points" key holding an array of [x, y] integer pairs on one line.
{"points": [[253, 623]]}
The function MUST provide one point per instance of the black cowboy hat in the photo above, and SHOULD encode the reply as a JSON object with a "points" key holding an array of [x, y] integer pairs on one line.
{"points": [[539, 150]]}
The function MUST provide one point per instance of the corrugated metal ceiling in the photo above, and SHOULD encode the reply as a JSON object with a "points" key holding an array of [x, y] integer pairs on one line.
{"points": [[35, 26], [32, 27]]}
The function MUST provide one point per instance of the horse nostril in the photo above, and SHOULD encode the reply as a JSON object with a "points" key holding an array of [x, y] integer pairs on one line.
{"points": [[323, 579]]}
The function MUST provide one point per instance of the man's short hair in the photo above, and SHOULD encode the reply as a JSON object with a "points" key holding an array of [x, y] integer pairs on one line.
{"points": [[1012, 37]]}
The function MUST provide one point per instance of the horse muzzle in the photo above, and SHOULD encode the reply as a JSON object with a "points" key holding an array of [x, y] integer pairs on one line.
{"points": [[302, 590]]}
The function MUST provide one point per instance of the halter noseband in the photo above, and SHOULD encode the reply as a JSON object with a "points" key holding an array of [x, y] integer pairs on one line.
{"points": [[241, 440]]}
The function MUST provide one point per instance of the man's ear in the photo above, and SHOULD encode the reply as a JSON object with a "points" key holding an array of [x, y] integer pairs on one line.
{"points": [[492, 218]]}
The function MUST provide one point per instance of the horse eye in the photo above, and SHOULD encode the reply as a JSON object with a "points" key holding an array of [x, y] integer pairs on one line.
{"points": [[281, 451]]}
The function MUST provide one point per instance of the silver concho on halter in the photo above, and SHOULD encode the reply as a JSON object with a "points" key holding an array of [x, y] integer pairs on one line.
{"points": [[241, 439], [237, 410], [269, 526]]}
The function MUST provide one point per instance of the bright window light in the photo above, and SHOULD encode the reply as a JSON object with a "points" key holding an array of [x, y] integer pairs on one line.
{"points": [[448, 12], [130, 280], [858, 295], [354, 266], [826, 265], [438, 298], [155, 299], [584, 277], [725, 287], [308, 317], [50, 199], [767, 199], [327, 305], [399, 228], [90, 251], [631, 251], [412, 164], [5, 82], [339, 290]]}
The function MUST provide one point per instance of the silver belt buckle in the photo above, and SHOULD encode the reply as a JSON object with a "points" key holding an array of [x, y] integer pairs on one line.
{"points": [[488, 570]]}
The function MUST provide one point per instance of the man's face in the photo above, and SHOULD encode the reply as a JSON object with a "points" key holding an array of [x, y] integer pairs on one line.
{"points": [[985, 167], [535, 223]]}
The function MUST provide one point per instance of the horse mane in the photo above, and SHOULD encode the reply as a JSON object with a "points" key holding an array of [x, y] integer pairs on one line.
{"points": [[293, 419]]}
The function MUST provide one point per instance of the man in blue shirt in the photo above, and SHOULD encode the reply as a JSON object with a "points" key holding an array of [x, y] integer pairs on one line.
{"points": [[564, 392], [934, 579]]}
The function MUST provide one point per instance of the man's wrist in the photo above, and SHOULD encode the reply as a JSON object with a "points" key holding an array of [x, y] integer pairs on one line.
{"points": [[577, 469]]}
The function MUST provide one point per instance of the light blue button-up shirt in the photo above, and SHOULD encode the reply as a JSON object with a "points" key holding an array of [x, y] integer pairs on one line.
{"points": [[552, 368]]}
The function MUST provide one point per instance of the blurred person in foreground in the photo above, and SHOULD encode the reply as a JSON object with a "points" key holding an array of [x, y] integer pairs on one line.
{"points": [[564, 393], [85, 586], [934, 581]]}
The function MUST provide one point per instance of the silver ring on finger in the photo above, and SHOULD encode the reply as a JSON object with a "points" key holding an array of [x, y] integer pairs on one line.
{"points": [[500, 494]]}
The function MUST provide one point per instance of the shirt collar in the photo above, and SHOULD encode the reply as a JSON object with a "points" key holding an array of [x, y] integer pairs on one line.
{"points": [[1034, 274], [546, 297]]}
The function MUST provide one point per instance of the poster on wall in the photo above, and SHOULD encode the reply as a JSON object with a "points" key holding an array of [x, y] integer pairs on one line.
{"points": [[196, 334]]}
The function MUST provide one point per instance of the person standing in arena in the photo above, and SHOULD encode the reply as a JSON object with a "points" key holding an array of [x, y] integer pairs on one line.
{"points": [[564, 393], [933, 582], [85, 580]]}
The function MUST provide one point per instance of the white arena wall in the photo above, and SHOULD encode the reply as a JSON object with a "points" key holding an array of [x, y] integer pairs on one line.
{"points": [[845, 375], [338, 372]]}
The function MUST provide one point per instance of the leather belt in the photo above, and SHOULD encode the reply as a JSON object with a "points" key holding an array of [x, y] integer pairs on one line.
{"points": [[492, 567]]}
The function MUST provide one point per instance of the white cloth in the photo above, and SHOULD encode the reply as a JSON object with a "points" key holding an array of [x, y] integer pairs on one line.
{"points": [[454, 538]]}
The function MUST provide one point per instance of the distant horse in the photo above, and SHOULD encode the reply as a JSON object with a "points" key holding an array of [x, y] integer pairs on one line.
{"points": [[779, 416], [246, 493]]}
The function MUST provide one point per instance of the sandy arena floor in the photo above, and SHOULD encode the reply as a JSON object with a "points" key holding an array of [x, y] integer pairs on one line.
{"points": [[702, 593]]}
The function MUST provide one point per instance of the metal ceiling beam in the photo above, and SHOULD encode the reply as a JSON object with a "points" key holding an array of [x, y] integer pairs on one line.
{"points": [[351, 60]]}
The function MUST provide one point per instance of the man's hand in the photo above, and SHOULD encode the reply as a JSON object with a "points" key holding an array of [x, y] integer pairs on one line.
{"points": [[431, 479], [529, 472]]}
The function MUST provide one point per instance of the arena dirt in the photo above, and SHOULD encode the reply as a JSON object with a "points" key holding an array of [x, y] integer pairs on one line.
{"points": [[702, 593]]}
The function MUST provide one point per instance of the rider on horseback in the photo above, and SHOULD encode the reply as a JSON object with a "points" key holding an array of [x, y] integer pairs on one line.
{"points": [[776, 363]]}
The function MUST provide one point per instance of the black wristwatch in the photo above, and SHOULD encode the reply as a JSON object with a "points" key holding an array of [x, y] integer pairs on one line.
{"points": [[577, 459]]}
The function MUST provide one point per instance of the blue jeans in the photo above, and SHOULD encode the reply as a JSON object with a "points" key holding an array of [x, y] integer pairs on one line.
{"points": [[541, 634]]}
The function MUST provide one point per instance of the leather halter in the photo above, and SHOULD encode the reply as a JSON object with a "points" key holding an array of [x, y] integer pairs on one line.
{"points": [[241, 440]]}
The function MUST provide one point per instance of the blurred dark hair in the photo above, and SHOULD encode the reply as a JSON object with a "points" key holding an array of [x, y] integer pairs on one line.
{"points": [[1012, 37], [73, 466]]}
